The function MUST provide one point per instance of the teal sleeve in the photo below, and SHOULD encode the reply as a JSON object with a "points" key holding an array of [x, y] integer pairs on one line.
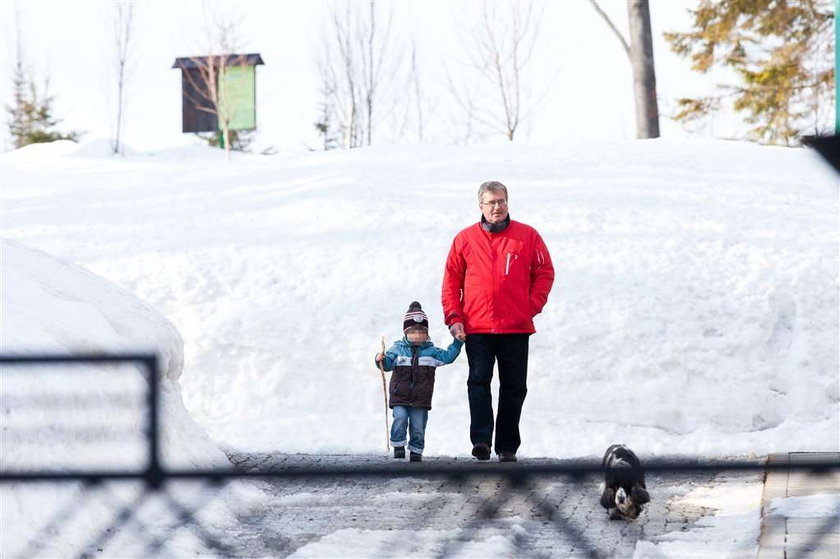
{"points": [[388, 362], [451, 353]]}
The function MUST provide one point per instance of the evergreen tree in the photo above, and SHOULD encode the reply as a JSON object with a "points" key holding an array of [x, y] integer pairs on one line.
{"points": [[17, 110], [31, 119], [783, 54]]}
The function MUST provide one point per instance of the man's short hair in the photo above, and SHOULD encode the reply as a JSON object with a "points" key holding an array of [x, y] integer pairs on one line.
{"points": [[491, 186]]}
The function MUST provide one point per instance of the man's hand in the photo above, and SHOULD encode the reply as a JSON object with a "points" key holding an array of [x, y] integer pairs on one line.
{"points": [[380, 356], [457, 331]]}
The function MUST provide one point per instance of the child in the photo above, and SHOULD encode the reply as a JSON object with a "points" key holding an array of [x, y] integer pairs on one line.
{"points": [[413, 360]]}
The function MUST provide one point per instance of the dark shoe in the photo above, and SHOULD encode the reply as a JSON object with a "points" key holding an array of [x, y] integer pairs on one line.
{"points": [[399, 452], [481, 451], [416, 457], [507, 457]]}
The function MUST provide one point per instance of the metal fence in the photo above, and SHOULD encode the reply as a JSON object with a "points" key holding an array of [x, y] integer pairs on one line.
{"points": [[146, 508]]}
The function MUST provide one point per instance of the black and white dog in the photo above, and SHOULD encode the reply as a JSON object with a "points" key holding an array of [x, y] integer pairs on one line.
{"points": [[624, 492]]}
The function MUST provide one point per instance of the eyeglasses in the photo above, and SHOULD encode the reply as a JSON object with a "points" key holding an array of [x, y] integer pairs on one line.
{"points": [[500, 202]]}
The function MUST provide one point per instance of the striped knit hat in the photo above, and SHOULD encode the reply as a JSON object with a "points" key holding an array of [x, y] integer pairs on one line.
{"points": [[415, 317]]}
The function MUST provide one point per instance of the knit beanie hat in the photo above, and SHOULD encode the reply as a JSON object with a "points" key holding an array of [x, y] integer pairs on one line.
{"points": [[415, 317]]}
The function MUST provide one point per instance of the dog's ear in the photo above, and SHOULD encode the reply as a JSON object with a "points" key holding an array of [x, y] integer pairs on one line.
{"points": [[639, 495]]}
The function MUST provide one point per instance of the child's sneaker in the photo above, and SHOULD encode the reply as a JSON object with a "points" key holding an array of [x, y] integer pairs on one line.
{"points": [[399, 452], [416, 457]]}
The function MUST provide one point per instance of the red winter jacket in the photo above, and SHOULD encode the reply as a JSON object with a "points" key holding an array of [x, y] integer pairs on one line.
{"points": [[496, 283]]}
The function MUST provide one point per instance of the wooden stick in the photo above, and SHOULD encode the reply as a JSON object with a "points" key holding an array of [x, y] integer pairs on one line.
{"points": [[385, 394]]}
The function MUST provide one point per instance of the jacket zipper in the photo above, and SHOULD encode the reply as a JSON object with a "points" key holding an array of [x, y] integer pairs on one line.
{"points": [[507, 264]]}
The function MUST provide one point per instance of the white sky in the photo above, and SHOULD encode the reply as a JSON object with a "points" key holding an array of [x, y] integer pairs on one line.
{"points": [[578, 61]]}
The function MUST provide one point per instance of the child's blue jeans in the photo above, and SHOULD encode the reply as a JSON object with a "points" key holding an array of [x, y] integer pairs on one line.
{"points": [[415, 420]]}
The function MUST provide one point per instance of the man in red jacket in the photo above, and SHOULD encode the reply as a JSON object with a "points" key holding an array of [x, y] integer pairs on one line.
{"points": [[497, 279]]}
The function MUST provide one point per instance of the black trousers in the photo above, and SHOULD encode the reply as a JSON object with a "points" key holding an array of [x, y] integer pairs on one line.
{"points": [[511, 352]]}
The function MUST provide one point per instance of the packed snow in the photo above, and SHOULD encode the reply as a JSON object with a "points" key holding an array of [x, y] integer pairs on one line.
{"points": [[695, 308], [354, 543], [732, 531], [810, 506]]}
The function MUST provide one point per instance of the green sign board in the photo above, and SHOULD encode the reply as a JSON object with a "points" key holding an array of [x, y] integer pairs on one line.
{"points": [[237, 93]]}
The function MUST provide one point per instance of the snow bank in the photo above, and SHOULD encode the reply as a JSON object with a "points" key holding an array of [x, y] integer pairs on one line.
{"points": [[695, 308], [82, 417], [54, 306]]}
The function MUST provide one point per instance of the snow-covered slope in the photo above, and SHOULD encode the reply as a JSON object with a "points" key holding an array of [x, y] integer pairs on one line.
{"points": [[695, 307]]}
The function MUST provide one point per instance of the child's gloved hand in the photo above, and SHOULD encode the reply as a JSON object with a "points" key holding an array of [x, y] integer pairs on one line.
{"points": [[380, 356]]}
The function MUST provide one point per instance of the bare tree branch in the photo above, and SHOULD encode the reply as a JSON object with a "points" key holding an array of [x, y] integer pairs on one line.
{"points": [[640, 53], [614, 29], [358, 48], [209, 80], [123, 25], [497, 50], [418, 97]]}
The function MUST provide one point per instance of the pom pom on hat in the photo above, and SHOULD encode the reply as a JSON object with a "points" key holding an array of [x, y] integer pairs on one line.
{"points": [[415, 317]]}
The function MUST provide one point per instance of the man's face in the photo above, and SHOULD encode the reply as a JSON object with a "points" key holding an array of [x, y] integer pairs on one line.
{"points": [[494, 206]]}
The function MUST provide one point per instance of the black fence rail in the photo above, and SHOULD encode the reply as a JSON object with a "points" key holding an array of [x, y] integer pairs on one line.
{"points": [[152, 509]]}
